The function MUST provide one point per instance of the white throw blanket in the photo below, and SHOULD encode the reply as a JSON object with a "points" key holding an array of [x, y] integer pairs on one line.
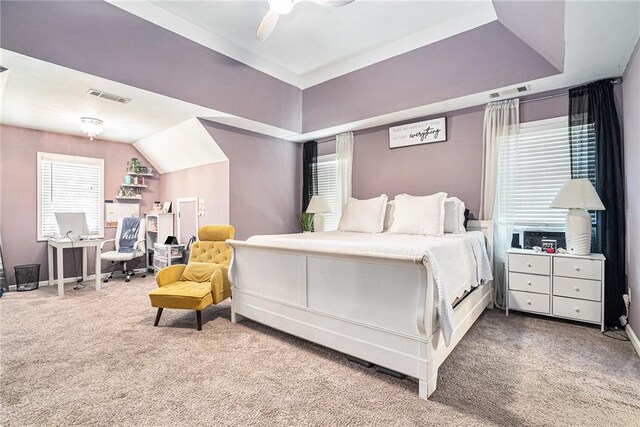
{"points": [[458, 261]]}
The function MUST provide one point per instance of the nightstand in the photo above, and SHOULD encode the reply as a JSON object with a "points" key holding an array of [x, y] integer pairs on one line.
{"points": [[556, 285]]}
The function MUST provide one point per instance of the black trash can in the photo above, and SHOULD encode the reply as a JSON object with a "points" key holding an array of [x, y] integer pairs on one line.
{"points": [[27, 277]]}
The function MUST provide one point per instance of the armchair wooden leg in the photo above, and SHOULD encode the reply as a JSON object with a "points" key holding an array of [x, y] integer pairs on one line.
{"points": [[158, 317], [199, 319]]}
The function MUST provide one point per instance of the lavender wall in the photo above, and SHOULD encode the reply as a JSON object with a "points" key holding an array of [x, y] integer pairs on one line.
{"points": [[631, 94], [486, 57], [18, 148], [454, 166], [210, 182], [101, 39], [134, 51], [264, 181]]}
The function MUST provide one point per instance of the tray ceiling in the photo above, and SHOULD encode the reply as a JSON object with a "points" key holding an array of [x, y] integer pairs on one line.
{"points": [[313, 43]]}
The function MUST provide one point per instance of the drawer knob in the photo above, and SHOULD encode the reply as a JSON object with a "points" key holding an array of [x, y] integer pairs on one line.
{"points": [[528, 302], [577, 268], [529, 282], [528, 264], [577, 289], [577, 310]]}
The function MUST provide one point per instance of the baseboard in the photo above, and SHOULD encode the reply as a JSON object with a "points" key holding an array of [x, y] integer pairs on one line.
{"points": [[633, 338], [43, 283], [75, 279]]}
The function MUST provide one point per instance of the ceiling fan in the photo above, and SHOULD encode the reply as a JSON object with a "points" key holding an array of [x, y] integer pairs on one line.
{"points": [[282, 7]]}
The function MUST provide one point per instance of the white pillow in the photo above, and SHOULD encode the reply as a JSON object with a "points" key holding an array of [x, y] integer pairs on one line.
{"points": [[388, 215], [454, 215], [364, 216], [419, 215]]}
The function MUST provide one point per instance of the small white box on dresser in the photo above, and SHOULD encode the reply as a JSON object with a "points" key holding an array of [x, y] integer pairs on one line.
{"points": [[556, 285]]}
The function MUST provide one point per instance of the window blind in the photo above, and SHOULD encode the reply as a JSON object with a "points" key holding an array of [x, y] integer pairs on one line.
{"points": [[327, 171], [544, 163], [69, 184]]}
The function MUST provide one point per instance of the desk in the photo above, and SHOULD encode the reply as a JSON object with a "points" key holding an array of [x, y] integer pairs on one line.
{"points": [[60, 246]]}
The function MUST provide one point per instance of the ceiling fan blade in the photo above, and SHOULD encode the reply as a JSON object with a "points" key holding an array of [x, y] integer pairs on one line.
{"points": [[333, 3], [267, 25]]}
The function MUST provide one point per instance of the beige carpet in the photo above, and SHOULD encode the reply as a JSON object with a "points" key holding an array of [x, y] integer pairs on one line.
{"points": [[95, 359]]}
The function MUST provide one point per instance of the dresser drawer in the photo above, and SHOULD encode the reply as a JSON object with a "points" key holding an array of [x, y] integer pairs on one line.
{"points": [[529, 283], [577, 267], [588, 311], [535, 264], [577, 288], [525, 301]]}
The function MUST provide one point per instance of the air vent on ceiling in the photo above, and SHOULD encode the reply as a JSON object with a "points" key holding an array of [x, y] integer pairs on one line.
{"points": [[109, 96], [509, 92]]}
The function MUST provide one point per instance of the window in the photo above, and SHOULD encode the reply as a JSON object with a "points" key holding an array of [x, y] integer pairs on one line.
{"points": [[327, 170], [544, 163], [69, 184]]}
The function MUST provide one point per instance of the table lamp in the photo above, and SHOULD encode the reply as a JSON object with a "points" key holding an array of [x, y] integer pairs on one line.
{"points": [[317, 206], [578, 195]]}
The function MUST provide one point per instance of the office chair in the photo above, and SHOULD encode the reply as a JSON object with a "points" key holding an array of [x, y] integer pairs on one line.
{"points": [[124, 257]]}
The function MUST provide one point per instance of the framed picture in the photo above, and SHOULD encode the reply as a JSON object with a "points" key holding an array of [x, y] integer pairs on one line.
{"points": [[426, 132], [166, 207]]}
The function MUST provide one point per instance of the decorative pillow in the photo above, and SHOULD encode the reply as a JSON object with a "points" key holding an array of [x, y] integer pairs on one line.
{"points": [[388, 215], [199, 272], [419, 215], [454, 215], [364, 216]]}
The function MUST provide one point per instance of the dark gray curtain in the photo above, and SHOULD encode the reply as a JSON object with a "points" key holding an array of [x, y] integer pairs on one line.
{"points": [[594, 104], [309, 174]]}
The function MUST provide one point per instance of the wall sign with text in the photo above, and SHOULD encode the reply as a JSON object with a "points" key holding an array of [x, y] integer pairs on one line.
{"points": [[418, 133]]}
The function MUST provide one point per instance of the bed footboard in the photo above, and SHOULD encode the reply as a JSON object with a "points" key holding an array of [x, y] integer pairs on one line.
{"points": [[373, 307]]}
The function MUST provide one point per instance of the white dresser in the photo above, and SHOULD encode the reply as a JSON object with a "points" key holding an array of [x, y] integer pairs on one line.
{"points": [[566, 286]]}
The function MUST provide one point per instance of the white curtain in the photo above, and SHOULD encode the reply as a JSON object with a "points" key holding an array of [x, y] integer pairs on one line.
{"points": [[344, 158], [499, 173]]}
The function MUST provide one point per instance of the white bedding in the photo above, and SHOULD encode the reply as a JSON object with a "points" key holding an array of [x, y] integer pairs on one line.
{"points": [[459, 261]]}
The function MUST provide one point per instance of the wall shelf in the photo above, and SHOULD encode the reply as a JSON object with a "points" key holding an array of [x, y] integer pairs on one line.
{"points": [[128, 198], [134, 185], [146, 175]]}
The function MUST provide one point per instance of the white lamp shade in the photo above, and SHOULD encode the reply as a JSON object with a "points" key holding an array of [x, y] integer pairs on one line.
{"points": [[318, 204], [578, 194]]}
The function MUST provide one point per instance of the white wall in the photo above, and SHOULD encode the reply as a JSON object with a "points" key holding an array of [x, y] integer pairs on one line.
{"points": [[631, 96]]}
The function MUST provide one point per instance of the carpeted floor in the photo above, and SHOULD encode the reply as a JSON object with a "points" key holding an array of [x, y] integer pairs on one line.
{"points": [[95, 359]]}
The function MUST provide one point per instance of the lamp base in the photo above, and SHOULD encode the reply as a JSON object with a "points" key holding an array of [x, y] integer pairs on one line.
{"points": [[318, 222], [578, 232]]}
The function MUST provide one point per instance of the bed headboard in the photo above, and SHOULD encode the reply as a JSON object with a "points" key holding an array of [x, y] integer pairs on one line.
{"points": [[486, 226]]}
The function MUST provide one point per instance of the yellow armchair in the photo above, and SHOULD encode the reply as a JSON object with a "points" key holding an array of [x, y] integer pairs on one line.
{"points": [[201, 283]]}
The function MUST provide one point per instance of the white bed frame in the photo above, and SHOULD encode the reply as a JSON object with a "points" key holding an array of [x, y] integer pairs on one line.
{"points": [[377, 308]]}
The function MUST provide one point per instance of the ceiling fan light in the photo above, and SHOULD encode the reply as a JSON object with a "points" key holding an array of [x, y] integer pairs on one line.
{"points": [[91, 126], [282, 7]]}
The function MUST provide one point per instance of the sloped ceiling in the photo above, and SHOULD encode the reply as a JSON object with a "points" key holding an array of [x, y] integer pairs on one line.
{"points": [[40, 95], [183, 146]]}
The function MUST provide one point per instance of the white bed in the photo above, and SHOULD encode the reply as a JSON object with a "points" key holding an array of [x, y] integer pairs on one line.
{"points": [[383, 298]]}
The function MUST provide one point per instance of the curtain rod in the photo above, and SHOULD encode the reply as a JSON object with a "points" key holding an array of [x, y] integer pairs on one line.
{"points": [[545, 97], [615, 81]]}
